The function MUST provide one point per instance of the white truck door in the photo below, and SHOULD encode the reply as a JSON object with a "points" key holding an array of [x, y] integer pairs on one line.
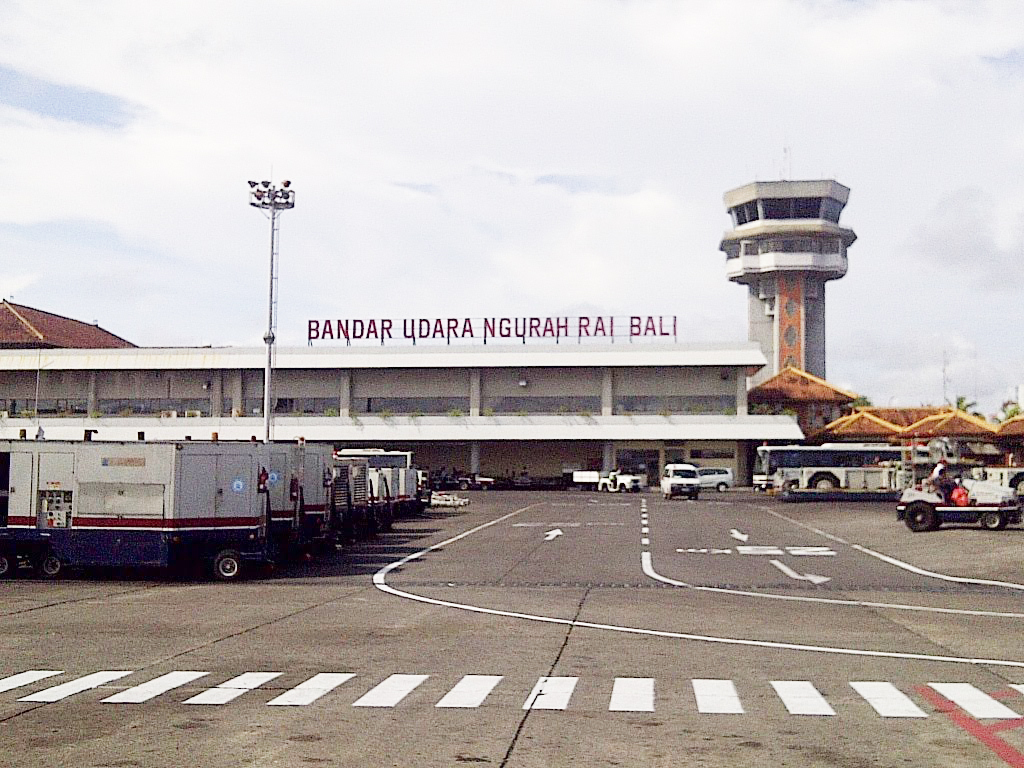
{"points": [[235, 486], [20, 492]]}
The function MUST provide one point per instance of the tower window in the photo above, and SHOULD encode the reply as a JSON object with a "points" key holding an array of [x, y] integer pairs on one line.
{"points": [[745, 212], [792, 207]]}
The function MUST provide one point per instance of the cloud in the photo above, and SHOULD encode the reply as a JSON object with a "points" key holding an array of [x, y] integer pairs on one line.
{"points": [[517, 158], [66, 103]]}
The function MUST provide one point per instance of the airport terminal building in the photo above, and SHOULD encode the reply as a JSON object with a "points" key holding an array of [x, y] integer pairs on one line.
{"points": [[503, 411]]}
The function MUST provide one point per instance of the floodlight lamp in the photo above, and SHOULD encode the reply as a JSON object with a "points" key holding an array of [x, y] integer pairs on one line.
{"points": [[265, 184], [286, 184], [258, 194], [252, 184]]}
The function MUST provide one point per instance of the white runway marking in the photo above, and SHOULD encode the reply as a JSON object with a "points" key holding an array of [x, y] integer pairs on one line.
{"points": [[972, 701], [380, 582], [886, 699], [311, 690], [95, 680], [391, 691], [933, 574], [716, 697], [26, 678], [551, 693], [632, 694], [801, 698], [154, 688], [470, 691], [233, 688]]}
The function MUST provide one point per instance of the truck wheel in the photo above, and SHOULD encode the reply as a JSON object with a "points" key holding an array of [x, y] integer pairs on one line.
{"points": [[227, 565], [722, 487], [8, 565], [824, 482], [51, 566], [992, 521], [921, 517], [464, 485]]}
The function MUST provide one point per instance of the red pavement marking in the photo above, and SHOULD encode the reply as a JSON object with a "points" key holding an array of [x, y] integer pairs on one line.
{"points": [[986, 734]]}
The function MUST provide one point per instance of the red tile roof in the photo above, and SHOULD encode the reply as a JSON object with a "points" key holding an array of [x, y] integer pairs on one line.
{"points": [[950, 423], [26, 328], [792, 385], [859, 425]]}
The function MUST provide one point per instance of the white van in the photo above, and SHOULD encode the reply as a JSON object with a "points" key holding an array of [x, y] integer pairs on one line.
{"points": [[715, 477], [680, 480]]}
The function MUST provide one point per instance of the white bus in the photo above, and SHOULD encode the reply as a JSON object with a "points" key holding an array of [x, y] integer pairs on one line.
{"points": [[835, 466]]}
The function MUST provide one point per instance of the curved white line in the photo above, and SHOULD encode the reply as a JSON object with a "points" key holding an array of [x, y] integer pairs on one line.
{"points": [[894, 561], [380, 582], [648, 568], [933, 574]]}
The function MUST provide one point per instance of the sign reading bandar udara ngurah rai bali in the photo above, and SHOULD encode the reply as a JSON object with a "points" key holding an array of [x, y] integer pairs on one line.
{"points": [[497, 329]]}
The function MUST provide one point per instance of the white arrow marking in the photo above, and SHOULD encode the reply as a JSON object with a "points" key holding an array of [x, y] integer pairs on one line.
{"points": [[813, 578], [739, 536], [552, 534]]}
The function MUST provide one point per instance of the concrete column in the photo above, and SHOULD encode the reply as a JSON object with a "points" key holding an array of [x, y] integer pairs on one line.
{"points": [[607, 393], [216, 393], [345, 393], [237, 393], [474, 457], [608, 457], [474, 393], [92, 403], [741, 393]]}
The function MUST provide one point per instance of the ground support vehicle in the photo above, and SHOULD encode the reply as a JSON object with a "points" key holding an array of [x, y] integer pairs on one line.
{"points": [[680, 480], [298, 486], [353, 515], [395, 483], [994, 507], [613, 481], [134, 504], [475, 482]]}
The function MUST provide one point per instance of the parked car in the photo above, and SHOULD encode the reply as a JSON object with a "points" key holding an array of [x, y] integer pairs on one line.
{"points": [[680, 480], [715, 477]]}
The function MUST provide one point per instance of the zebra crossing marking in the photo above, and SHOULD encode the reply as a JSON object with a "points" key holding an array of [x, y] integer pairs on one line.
{"points": [[391, 691], [306, 693], [233, 688], [716, 697], [972, 701], [551, 693], [628, 694], [887, 700], [27, 678], [632, 694], [154, 688], [470, 691], [70, 688], [801, 698]]}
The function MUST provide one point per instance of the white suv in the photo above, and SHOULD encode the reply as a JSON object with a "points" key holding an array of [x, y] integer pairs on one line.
{"points": [[680, 480], [715, 477]]}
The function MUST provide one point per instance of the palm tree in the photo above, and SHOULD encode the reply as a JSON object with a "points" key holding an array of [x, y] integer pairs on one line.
{"points": [[968, 406], [1009, 410]]}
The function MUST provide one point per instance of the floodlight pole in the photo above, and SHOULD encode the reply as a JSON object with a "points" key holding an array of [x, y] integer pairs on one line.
{"points": [[269, 197]]}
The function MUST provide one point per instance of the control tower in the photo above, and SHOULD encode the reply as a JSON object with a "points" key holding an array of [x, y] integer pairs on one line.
{"points": [[785, 244]]}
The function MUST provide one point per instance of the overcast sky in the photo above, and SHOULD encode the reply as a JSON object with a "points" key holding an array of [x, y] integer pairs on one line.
{"points": [[548, 157]]}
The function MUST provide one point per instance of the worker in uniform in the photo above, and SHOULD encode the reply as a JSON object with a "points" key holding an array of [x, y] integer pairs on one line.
{"points": [[941, 481]]}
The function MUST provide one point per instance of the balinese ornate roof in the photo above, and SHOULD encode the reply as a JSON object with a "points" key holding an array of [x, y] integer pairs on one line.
{"points": [[859, 425], [950, 423], [1012, 427], [794, 385], [26, 328], [904, 417]]}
